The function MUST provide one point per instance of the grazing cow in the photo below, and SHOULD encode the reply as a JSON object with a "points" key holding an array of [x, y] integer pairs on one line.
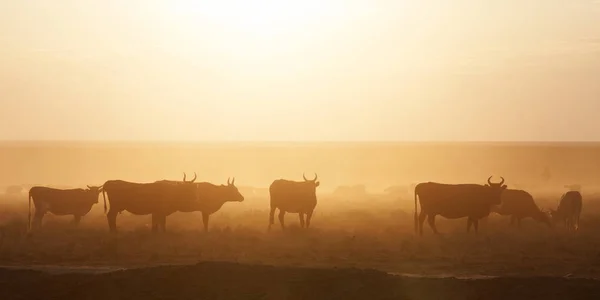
{"points": [[211, 199], [569, 210], [158, 199], [293, 197], [76, 202], [519, 204], [455, 201]]}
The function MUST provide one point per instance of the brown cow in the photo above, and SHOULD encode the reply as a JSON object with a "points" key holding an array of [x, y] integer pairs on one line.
{"points": [[211, 199], [455, 201], [519, 204], [76, 202], [293, 197], [158, 199], [569, 210]]}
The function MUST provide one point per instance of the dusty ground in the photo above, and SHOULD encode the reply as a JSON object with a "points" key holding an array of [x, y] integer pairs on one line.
{"points": [[375, 236], [220, 280]]}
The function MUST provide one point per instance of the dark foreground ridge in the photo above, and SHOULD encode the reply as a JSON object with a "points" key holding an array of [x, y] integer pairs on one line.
{"points": [[224, 280]]}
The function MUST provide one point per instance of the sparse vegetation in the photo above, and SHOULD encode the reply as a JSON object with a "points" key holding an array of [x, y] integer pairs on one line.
{"points": [[376, 236]]}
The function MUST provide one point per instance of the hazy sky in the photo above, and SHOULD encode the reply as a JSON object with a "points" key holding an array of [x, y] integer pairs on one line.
{"points": [[301, 70]]}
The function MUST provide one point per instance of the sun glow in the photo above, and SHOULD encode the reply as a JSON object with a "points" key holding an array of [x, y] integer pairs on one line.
{"points": [[259, 18]]}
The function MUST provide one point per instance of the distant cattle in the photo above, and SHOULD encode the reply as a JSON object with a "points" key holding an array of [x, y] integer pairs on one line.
{"points": [[14, 190], [569, 210], [351, 191], [455, 201], [293, 197], [76, 202], [158, 199], [519, 204], [211, 198]]}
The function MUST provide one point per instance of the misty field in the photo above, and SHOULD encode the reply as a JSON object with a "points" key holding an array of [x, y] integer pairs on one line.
{"points": [[363, 220], [370, 233]]}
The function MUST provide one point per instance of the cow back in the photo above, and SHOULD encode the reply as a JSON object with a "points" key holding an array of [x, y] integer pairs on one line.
{"points": [[293, 196], [456, 200]]}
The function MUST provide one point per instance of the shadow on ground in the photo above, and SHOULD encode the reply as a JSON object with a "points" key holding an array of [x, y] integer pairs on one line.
{"points": [[223, 280]]}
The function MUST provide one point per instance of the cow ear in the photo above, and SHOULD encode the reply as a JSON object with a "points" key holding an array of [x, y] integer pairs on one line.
{"points": [[504, 186], [317, 184]]}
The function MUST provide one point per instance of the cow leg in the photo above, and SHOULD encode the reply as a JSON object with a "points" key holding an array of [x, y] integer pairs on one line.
{"points": [[571, 225], [281, 216], [37, 218], [111, 216], [513, 219], [308, 218], [476, 225], [301, 217], [431, 221], [205, 217], [469, 222], [163, 223], [272, 217], [422, 217], [519, 222], [76, 219], [155, 223]]}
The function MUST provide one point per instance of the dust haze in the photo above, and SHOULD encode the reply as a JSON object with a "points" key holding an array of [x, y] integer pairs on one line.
{"points": [[364, 215]]}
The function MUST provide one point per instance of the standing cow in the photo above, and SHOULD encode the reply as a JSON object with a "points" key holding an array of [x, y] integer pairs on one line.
{"points": [[76, 202], [455, 201], [293, 197], [519, 204], [211, 198], [569, 210], [158, 199]]}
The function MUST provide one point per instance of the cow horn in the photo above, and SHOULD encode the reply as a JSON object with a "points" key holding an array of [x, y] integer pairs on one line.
{"points": [[303, 176], [89, 187], [233, 181], [195, 176], [228, 179], [490, 180], [501, 182], [315, 177], [184, 177]]}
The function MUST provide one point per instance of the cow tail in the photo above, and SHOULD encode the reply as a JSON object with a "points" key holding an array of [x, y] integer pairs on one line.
{"points": [[29, 217], [104, 198], [416, 213]]}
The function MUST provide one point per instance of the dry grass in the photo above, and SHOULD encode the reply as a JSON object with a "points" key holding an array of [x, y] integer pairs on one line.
{"points": [[374, 233]]}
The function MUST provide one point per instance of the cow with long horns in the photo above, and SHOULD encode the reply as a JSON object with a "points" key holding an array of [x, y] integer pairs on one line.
{"points": [[455, 201], [76, 202], [158, 199], [293, 197]]}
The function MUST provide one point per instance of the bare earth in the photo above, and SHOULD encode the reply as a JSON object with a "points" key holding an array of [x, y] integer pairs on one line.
{"points": [[223, 280], [335, 259]]}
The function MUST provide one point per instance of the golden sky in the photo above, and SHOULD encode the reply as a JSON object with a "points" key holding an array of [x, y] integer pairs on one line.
{"points": [[300, 70]]}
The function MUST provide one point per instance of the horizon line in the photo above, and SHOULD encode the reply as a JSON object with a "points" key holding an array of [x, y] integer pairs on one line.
{"points": [[47, 141]]}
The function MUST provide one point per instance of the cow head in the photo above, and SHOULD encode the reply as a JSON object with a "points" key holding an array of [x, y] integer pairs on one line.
{"points": [[94, 192], [314, 183], [556, 216], [191, 181], [544, 217], [497, 189], [231, 192]]}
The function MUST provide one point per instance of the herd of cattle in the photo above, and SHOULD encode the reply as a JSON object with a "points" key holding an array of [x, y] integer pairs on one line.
{"points": [[165, 197]]}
